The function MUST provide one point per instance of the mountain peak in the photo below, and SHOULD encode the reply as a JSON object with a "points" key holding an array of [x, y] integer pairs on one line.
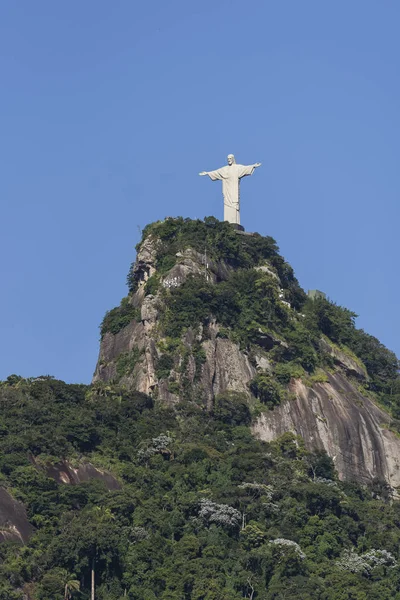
{"points": [[211, 312]]}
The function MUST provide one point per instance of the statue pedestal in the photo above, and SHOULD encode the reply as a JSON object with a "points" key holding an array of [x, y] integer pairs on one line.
{"points": [[237, 227]]}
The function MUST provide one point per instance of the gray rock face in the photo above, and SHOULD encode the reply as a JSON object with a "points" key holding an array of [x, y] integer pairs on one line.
{"points": [[149, 311], [14, 524], [262, 362], [145, 261], [191, 262], [65, 473], [351, 366], [133, 336], [226, 368], [334, 416]]}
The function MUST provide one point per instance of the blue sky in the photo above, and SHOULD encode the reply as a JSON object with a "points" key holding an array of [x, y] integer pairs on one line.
{"points": [[108, 111]]}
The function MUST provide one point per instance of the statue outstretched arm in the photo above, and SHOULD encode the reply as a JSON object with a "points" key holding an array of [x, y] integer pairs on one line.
{"points": [[213, 175], [245, 170]]}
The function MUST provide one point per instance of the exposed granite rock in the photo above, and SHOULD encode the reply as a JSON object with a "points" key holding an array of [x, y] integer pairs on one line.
{"points": [[334, 416], [225, 368], [144, 266], [262, 363], [14, 524], [63, 472], [191, 262], [149, 311], [351, 366], [135, 335], [165, 396]]}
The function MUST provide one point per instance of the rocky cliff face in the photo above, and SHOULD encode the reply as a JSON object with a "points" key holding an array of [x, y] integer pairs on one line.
{"points": [[14, 524], [335, 417], [64, 472], [332, 414], [224, 366]]}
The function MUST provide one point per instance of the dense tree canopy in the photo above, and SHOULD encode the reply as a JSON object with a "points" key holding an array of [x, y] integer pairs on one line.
{"points": [[205, 511]]}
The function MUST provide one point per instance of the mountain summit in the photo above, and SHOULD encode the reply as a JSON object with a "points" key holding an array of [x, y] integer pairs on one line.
{"points": [[213, 311], [239, 441]]}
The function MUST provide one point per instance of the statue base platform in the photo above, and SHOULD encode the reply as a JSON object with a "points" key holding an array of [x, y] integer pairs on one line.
{"points": [[237, 227]]}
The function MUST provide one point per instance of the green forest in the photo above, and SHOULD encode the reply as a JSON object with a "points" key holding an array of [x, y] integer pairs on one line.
{"points": [[201, 509], [204, 512]]}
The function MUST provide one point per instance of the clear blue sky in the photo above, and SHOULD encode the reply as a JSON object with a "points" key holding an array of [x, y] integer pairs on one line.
{"points": [[108, 111]]}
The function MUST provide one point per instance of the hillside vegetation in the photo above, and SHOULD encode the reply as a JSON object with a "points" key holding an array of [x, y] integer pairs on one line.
{"points": [[204, 511]]}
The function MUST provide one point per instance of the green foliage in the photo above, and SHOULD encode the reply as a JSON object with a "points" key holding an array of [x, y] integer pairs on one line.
{"points": [[132, 280], [164, 366], [174, 387], [119, 317], [205, 509], [186, 306], [335, 322], [200, 358], [284, 372], [152, 285], [303, 345], [222, 244], [266, 389], [320, 465], [127, 361], [318, 377], [246, 302], [232, 408], [165, 263], [381, 364]]}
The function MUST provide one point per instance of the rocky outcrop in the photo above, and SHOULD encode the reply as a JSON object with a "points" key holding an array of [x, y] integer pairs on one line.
{"points": [[225, 368], [336, 417], [191, 262], [144, 266], [14, 524], [63, 472], [350, 364], [133, 336]]}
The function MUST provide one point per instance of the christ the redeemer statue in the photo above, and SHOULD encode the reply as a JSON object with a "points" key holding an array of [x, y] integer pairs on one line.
{"points": [[231, 176]]}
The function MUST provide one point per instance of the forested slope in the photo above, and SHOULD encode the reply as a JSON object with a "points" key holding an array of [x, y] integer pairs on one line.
{"points": [[179, 473], [205, 511]]}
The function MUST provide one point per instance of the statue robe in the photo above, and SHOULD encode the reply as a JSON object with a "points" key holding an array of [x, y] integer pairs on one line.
{"points": [[231, 176]]}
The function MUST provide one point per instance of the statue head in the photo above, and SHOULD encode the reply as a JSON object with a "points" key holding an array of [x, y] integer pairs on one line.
{"points": [[231, 160]]}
